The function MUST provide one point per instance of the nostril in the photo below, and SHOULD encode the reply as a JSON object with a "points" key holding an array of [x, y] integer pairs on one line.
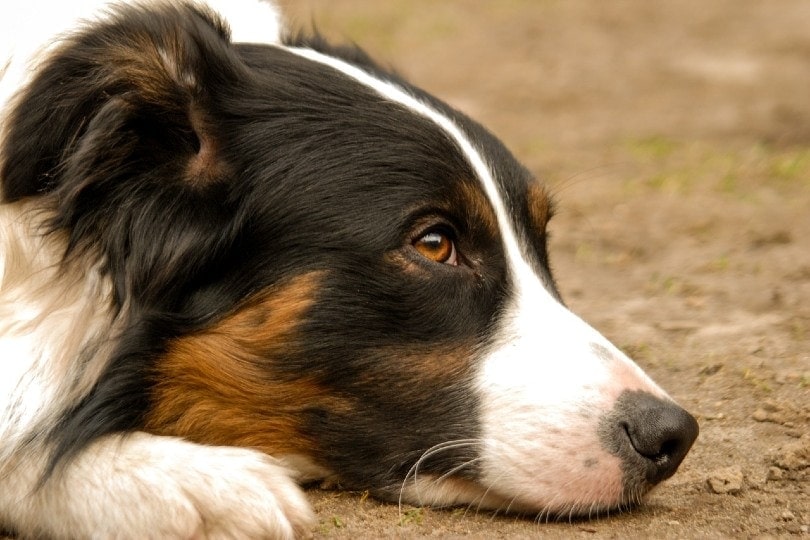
{"points": [[659, 431], [668, 448], [647, 443]]}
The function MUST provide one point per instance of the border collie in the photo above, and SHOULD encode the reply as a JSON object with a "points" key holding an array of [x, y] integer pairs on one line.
{"points": [[233, 260]]}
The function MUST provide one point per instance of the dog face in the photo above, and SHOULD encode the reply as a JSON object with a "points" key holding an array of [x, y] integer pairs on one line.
{"points": [[313, 258]]}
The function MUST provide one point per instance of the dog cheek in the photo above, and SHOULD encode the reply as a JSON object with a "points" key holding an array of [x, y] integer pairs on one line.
{"points": [[407, 403], [548, 458], [219, 386]]}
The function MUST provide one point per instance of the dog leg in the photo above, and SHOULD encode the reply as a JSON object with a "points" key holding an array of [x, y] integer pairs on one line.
{"points": [[144, 486]]}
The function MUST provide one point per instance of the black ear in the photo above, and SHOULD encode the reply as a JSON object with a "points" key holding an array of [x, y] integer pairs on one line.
{"points": [[118, 134]]}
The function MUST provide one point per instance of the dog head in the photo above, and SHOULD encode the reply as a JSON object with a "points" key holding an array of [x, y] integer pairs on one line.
{"points": [[314, 258]]}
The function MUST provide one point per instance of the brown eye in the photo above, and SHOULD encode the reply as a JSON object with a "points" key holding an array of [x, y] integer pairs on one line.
{"points": [[437, 247]]}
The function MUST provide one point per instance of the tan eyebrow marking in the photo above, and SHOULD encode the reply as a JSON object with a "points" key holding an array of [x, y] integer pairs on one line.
{"points": [[539, 206]]}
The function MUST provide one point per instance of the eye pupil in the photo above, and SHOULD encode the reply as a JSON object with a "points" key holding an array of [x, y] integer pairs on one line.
{"points": [[437, 247], [434, 241]]}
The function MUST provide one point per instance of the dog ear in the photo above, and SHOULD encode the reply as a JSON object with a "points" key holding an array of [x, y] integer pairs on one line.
{"points": [[118, 134]]}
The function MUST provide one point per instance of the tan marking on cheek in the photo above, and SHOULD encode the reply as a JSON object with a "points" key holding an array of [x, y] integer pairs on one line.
{"points": [[411, 371], [218, 386], [443, 365], [398, 259], [539, 206]]}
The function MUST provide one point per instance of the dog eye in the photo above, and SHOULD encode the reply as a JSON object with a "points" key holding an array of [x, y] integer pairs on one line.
{"points": [[438, 247]]}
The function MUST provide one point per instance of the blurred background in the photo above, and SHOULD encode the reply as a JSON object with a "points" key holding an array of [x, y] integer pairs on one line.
{"points": [[676, 139]]}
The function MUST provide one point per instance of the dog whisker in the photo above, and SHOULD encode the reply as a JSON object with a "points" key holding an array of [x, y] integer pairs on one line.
{"points": [[235, 259], [430, 452]]}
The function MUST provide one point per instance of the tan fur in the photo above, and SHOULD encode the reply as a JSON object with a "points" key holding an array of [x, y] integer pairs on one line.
{"points": [[478, 208], [217, 387], [539, 206]]}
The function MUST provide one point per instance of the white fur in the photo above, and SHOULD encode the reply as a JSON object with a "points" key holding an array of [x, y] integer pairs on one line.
{"points": [[546, 385], [543, 385], [56, 328], [142, 486], [549, 372], [49, 317]]}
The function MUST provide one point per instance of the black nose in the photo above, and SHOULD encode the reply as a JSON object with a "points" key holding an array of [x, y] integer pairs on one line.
{"points": [[659, 431]]}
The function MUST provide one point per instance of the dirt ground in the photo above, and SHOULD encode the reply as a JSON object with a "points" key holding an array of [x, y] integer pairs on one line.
{"points": [[676, 136]]}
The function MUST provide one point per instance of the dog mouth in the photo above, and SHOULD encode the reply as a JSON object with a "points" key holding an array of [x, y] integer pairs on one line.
{"points": [[640, 442], [472, 496], [647, 440]]}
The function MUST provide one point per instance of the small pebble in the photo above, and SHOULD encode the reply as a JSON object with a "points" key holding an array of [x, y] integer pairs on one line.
{"points": [[775, 473], [771, 406], [760, 415], [793, 456], [710, 369], [728, 480]]}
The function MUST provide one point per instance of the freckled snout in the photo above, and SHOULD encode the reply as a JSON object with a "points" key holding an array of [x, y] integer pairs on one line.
{"points": [[651, 435]]}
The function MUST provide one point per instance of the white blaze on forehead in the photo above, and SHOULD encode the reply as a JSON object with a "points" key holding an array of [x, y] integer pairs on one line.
{"points": [[397, 94], [548, 379], [533, 307]]}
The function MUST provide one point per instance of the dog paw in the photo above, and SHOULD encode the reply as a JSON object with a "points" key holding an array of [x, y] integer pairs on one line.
{"points": [[146, 486], [239, 493]]}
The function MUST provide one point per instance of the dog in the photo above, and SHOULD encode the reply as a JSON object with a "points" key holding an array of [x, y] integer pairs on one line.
{"points": [[234, 260]]}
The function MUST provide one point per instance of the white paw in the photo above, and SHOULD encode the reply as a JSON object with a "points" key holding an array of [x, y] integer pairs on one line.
{"points": [[145, 486], [238, 493]]}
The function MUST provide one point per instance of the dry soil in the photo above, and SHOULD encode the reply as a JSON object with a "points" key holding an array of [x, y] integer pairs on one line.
{"points": [[676, 136]]}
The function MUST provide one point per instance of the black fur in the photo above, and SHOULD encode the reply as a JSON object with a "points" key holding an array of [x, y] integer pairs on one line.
{"points": [[309, 170]]}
